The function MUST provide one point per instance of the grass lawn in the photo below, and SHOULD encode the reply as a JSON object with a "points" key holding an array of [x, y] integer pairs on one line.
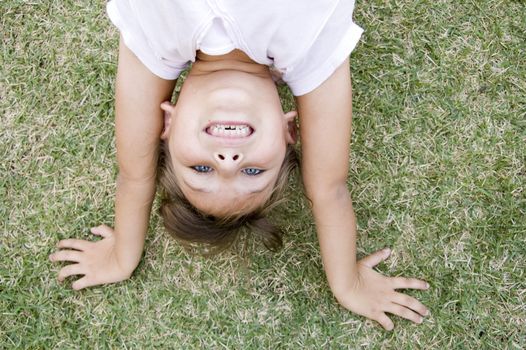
{"points": [[438, 173]]}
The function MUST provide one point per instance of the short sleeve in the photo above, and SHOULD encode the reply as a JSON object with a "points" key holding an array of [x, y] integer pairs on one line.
{"points": [[125, 17], [332, 46]]}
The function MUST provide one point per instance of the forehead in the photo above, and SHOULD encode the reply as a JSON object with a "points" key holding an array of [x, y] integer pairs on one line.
{"points": [[224, 202]]}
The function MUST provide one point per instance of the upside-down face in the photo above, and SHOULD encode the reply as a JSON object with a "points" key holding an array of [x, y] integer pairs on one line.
{"points": [[227, 137]]}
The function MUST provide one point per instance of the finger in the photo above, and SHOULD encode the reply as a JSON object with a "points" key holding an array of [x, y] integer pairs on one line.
{"points": [[376, 258], [81, 283], [66, 255], [385, 322], [70, 270], [102, 230], [404, 312], [410, 302], [77, 244], [412, 283]]}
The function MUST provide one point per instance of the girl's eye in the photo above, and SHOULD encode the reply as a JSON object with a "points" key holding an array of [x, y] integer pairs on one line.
{"points": [[252, 171], [202, 168]]}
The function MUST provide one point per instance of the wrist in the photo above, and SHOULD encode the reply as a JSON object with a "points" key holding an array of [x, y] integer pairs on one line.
{"points": [[344, 287], [127, 255]]}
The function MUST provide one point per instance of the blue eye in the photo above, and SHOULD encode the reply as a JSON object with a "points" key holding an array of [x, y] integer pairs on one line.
{"points": [[202, 168], [252, 171]]}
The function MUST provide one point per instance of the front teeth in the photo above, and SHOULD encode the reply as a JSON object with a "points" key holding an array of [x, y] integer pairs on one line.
{"points": [[230, 130]]}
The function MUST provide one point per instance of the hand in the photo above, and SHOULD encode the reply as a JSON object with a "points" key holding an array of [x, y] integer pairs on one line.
{"points": [[373, 295], [97, 261]]}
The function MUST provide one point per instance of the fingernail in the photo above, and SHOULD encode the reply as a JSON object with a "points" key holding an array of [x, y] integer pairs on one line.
{"points": [[51, 257], [426, 313], [427, 285], [387, 250], [420, 320]]}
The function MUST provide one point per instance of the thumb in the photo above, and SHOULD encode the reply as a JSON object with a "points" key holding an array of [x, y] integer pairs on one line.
{"points": [[376, 258], [102, 230]]}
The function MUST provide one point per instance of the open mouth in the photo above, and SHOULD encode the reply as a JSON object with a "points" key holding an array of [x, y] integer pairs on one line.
{"points": [[229, 130]]}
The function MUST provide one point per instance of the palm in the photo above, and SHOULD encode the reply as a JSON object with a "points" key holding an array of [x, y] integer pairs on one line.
{"points": [[97, 261], [373, 294]]}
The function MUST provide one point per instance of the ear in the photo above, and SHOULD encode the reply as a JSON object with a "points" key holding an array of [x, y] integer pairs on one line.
{"points": [[168, 109], [292, 129]]}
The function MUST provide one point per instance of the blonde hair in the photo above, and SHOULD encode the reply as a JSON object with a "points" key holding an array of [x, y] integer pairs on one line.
{"points": [[189, 225]]}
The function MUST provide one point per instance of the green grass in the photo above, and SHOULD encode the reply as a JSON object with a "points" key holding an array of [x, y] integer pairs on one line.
{"points": [[438, 173]]}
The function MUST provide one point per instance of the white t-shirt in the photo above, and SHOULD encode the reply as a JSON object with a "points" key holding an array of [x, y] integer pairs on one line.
{"points": [[305, 40]]}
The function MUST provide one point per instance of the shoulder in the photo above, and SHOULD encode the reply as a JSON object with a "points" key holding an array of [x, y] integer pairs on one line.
{"points": [[159, 33], [331, 46]]}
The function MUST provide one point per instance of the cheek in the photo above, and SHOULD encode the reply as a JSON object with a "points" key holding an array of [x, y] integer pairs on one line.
{"points": [[185, 151], [273, 152]]}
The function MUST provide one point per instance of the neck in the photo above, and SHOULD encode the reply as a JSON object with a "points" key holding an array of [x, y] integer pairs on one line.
{"points": [[235, 60]]}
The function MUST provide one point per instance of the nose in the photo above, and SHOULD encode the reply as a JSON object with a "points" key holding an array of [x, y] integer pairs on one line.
{"points": [[228, 160]]}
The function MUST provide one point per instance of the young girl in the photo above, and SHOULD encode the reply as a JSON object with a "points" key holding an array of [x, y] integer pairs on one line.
{"points": [[226, 144]]}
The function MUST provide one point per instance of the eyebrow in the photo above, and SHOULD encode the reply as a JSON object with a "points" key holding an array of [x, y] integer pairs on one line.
{"points": [[199, 189]]}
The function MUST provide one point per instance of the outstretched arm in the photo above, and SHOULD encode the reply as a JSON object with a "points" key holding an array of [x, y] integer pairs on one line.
{"points": [[138, 123], [325, 118]]}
